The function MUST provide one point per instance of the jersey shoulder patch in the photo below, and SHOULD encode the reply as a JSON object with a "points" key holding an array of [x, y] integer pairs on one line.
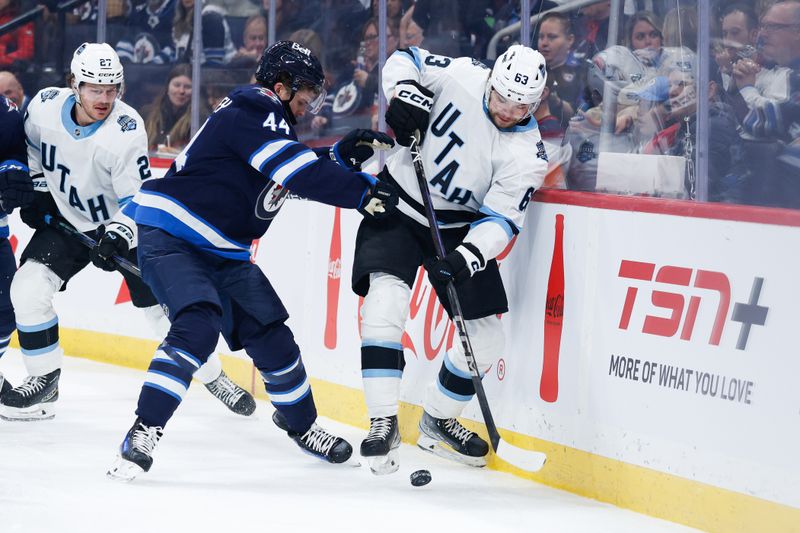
{"points": [[126, 123], [256, 96], [48, 94]]}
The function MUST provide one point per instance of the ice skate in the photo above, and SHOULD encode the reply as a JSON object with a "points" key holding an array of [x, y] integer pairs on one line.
{"points": [[135, 452], [447, 438], [232, 395], [381, 447], [33, 400], [317, 442]]}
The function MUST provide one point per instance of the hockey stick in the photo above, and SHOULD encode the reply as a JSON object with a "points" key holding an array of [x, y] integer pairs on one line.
{"points": [[87, 241], [529, 460]]}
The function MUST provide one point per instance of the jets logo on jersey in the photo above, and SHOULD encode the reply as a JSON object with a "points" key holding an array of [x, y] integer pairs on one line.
{"points": [[270, 201], [541, 152], [49, 94], [126, 123]]}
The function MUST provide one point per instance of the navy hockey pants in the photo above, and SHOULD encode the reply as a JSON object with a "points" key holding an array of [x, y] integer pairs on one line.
{"points": [[205, 295]]}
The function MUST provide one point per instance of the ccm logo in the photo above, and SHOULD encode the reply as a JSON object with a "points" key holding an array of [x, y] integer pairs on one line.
{"points": [[747, 313], [417, 98]]}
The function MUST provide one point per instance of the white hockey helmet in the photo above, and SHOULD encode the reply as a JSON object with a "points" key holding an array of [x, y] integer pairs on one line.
{"points": [[96, 63], [519, 75]]}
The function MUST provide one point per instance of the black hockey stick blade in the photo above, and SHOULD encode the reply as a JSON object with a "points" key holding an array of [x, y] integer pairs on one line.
{"points": [[528, 460]]}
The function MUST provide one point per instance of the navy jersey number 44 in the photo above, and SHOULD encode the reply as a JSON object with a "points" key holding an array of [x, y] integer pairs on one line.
{"points": [[226, 186]]}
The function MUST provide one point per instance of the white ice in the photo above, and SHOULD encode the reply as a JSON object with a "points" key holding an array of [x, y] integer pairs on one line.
{"points": [[215, 471]]}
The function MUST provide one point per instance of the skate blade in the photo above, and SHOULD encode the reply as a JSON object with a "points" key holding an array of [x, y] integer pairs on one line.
{"points": [[380, 465], [441, 449], [40, 411], [123, 470]]}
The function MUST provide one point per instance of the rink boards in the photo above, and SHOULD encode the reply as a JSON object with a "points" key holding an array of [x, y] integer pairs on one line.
{"points": [[676, 368]]}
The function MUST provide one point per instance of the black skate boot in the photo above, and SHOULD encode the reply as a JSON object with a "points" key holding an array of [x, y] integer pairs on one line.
{"points": [[447, 438], [33, 400], [232, 395], [317, 442], [136, 451], [5, 386], [381, 445]]}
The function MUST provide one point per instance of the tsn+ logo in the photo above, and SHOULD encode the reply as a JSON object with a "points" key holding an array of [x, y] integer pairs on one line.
{"points": [[703, 288]]}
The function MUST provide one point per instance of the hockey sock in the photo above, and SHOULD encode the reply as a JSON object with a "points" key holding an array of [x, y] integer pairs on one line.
{"points": [[167, 381], [382, 365], [40, 347]]}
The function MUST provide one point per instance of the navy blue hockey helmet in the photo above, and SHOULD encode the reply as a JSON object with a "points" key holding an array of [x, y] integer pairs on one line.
{"points": [[287, 58]]}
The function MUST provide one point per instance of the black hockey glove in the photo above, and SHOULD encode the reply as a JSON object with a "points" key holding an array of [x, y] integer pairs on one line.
{"points": [[109, 244], [33, 214], [16, 186], [409, 111], [358, 146], [380, 201], [457, 266]]}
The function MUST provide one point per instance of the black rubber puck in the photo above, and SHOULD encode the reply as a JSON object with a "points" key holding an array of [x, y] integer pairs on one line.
{"points": [[420, 478]]}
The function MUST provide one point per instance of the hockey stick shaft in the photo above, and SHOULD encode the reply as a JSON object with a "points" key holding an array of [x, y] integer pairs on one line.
{"points": [[87, 241], [525, 459]]}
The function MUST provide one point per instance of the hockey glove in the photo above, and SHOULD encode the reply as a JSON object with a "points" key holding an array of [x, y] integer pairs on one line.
{"points": [[457, 266], [358, 146], [409, 111], [112, 242], [16, 186], [380, 201], [43, 204]]}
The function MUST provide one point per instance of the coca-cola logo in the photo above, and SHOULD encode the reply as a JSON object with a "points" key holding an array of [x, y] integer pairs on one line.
{"points": [[554, 308], [335, 268]]}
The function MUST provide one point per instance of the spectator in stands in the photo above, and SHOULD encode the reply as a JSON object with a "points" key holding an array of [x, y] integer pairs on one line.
{"points": [[394, 12], [239, 8], [150, 28], [168, 119], [360, 94], [592, 29], [11, 88], [779, 39], [739, 25], [411, 33], [254, 37], [556, 37], [680, 27], [610, 72], [16, 45], [218, 46]]}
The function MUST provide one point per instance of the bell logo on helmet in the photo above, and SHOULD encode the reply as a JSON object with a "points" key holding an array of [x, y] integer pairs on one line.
{"points": [[301, 49]]}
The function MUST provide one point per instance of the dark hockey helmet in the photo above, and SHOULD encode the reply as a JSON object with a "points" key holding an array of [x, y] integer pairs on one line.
{"points": [[289, 59]]}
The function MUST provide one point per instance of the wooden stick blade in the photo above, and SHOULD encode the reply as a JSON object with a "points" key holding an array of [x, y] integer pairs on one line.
{"points": [[528, 460]]}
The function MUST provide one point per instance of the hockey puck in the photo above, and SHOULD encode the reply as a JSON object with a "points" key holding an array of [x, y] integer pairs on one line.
{"points": [[420, 478]]}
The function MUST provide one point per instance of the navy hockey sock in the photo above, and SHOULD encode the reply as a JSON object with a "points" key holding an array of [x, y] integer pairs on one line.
{"points": [[167, 381]]}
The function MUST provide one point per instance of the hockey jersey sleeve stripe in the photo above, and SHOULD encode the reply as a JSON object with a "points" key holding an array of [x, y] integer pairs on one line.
{"points": [[490, 215], [290, 168], [163, 212], [122, 202], [267, 151]]}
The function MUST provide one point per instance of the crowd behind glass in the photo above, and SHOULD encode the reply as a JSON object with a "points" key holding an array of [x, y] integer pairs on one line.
{"points": [[619, 118]]}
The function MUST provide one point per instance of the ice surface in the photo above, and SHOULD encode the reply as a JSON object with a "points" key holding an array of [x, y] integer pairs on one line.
{"points": [[215, 471]]}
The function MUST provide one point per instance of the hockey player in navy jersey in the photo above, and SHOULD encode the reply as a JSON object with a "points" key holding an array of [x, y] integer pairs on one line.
{"points": [[195, 229], [16, 190], [484, 158], [87, 152]]}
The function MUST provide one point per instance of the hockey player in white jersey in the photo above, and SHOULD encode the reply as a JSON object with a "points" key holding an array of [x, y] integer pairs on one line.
{"points": [[87, 153], [483, 158]]}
